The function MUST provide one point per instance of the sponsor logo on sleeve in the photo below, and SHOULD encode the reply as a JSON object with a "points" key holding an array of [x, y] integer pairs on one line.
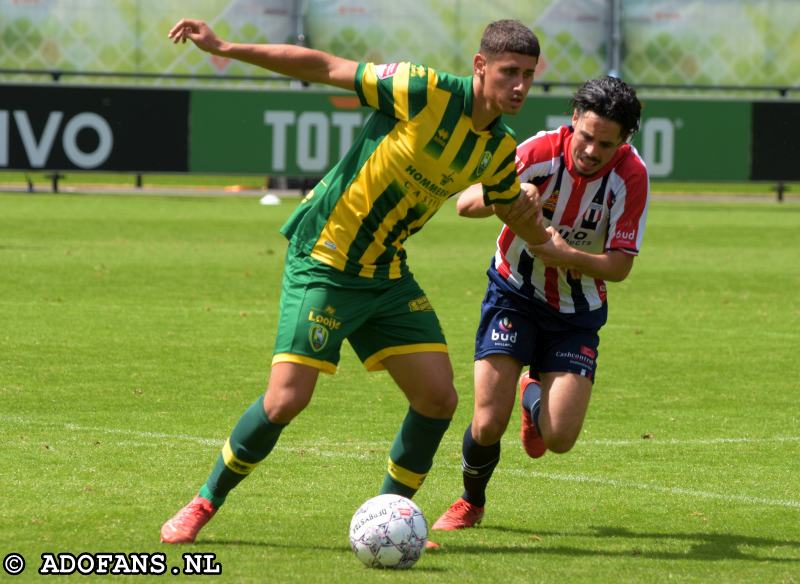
{"points": [[625, 233], [386, 70]]}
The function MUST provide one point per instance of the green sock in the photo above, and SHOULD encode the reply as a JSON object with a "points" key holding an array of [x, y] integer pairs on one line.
{"points": [[251, 440], [411, 456]]}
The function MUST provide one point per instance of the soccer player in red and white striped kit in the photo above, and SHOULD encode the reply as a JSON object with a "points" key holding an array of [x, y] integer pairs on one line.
{"points": [[545, 304]]}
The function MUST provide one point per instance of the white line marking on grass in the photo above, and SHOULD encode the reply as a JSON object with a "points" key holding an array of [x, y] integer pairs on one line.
{"points": [[655, 441], [689, 441], [150, 435], [215, 442], [655, 488], [707, 331], [337, 452]]}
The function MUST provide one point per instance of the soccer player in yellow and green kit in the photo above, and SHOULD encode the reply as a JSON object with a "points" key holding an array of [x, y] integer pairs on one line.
{"points": [[345, 276]]}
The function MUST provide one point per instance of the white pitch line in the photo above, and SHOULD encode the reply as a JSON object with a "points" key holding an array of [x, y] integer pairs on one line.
{"points": [[708, 331], [215, 442], [143, 434], [657, 488], [688, 441], [337, 453], [654, 441]]}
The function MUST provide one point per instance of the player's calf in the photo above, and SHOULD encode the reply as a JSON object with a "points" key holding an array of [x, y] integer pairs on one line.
{"points": [[530, 398]]}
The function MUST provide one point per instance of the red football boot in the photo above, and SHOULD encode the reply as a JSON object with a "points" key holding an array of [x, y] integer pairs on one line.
{"points": [[460, 515], [187, 522]]}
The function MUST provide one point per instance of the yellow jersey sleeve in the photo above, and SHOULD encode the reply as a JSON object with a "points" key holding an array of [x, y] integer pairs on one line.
{"points": [[399, 90]]}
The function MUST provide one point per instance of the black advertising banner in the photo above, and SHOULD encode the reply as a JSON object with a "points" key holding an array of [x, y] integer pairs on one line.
{"points": [[776, 126], [71, 128]]}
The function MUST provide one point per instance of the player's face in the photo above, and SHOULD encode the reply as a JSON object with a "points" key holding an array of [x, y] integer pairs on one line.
{"points": [[507, 77], [594, 142]]}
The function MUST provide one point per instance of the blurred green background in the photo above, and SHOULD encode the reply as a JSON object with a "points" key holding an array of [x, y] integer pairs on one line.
{"points": [[684, 42]]}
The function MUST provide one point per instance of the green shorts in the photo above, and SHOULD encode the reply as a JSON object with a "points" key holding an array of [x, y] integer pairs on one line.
{"points": [[320, 307]]}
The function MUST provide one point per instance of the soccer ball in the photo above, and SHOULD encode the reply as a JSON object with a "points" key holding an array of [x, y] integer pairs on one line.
{"points": [[388, 531]]}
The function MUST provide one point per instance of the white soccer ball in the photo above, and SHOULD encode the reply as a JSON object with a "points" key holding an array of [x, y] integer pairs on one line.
{"points": [[388, 531]]}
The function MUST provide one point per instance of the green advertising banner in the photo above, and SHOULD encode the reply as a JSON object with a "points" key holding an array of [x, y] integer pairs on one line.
{"points": [[696, 140], [678, 139], [279, 133], [305, 133]]}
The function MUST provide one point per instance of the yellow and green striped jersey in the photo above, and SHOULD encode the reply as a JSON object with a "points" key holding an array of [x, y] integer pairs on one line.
{"points": [[416, 150]]}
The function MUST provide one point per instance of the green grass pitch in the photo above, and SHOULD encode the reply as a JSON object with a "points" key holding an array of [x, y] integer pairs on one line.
{"points": [[135, 330]]}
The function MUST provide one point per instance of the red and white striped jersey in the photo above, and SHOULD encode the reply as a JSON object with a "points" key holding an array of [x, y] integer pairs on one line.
{"points": [[606, 211]]}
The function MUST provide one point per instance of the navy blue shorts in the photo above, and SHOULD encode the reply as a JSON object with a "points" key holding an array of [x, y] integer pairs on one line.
{"points": [[535, 334]]}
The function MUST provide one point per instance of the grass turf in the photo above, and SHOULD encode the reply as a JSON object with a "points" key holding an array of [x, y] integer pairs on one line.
{"points": [[136, 330], [78, 181]]}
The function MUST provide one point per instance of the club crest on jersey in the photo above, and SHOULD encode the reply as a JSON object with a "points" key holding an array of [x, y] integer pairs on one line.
{"points": [[486, 159], [318, 337], [593, 213], [385, 71]]}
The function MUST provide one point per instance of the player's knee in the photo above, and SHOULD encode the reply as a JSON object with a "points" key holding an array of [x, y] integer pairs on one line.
{"points": [[441, 403], [449, 402], [283, 415], [560, 443], [488, 431], [284, 410]]}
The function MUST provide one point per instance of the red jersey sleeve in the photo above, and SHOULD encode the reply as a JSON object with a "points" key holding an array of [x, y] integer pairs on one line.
{"points": [[631, 190]]}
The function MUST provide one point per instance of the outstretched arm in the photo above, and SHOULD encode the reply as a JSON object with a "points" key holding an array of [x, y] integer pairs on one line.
{"points": [[301, 63]]}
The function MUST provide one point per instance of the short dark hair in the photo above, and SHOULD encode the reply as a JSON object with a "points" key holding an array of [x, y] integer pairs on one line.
{"points": [[509, 36], [610, 97]]}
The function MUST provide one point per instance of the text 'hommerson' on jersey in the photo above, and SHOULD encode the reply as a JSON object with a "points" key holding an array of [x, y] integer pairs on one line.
{"points": [[417, 149], [599, 213]]}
